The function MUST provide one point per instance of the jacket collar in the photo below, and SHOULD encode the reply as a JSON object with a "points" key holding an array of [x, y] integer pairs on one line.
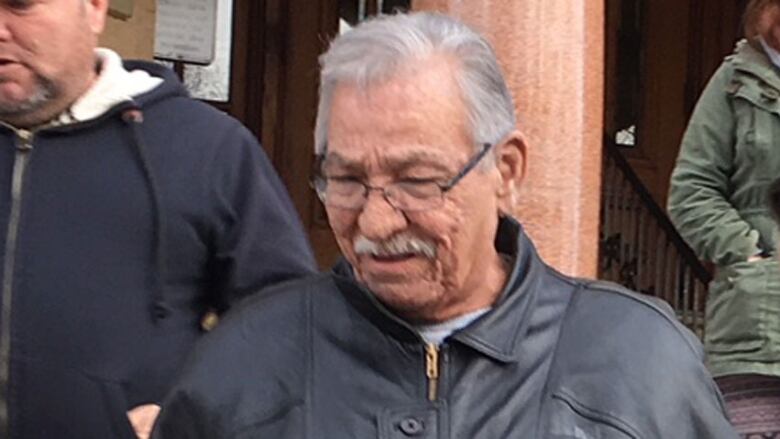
{"points": [[499, 333], [753, 61]]}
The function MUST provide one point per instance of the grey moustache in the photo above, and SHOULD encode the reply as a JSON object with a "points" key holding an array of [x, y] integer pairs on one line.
{"points": [[397, 245]]}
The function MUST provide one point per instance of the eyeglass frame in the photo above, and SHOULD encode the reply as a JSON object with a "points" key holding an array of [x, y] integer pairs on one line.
{"points": [[444, 187]]}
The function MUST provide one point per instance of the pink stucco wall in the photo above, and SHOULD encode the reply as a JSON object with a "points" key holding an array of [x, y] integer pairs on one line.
{"points": [[552, 52]]}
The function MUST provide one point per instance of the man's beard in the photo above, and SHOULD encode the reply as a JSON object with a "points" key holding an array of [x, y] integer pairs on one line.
{"points": [[44, 91]]}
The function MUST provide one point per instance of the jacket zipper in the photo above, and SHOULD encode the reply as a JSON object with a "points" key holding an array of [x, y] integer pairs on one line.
{"points": [[432, 370], [23, 149]]}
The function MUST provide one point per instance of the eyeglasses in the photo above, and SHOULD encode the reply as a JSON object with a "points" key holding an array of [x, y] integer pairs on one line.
{"points": [[407, 195]]}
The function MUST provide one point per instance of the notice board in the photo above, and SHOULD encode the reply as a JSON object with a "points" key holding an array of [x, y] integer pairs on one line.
{"points": [[186, 30]]}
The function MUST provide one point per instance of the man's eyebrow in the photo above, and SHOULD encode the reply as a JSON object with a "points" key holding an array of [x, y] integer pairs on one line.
{"points": [[336, 159], [419, 158]]}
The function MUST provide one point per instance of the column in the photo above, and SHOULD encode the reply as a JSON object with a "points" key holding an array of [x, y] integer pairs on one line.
{"points": [[552, 53]]}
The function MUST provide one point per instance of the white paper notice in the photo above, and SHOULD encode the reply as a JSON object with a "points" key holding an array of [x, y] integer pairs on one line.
{"points": [[186, 30]]}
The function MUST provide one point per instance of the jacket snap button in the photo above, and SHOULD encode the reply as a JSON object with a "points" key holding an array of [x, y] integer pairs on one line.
{"points": [[209, 321], [411, 426]]}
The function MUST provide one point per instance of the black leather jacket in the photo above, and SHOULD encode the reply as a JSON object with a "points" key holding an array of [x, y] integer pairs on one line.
{"points": [[555, 358]]}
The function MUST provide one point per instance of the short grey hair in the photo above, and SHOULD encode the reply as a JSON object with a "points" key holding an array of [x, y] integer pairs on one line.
{"points": [[376, 49]]}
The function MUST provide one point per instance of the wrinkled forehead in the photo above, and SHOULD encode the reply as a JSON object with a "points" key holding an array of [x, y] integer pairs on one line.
{"points": [[393, 157], [406, 120]]}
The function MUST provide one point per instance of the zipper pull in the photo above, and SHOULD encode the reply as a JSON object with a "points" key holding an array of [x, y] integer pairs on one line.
{"points": [[432, 370], [25, 140]]}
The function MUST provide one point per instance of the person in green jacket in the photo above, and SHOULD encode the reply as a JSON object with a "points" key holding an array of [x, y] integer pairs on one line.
{"points": [[729, 156]]}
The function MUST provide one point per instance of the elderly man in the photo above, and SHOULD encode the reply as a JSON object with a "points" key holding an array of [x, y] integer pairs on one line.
{"points": [[443, 321], [129, 211]]}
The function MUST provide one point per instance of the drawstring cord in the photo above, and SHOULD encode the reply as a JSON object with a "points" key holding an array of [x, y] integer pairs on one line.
{"points": [[134, 117]]}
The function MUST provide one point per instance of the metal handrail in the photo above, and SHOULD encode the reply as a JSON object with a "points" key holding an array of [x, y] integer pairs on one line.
{"points": [[640, 247]]}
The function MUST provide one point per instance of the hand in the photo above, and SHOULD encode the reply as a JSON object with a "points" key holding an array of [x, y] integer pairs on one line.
{"points": [[755, 258], [142, 419]]}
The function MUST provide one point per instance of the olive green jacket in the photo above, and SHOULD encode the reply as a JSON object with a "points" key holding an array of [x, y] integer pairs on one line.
{"points": [[730, 153]]}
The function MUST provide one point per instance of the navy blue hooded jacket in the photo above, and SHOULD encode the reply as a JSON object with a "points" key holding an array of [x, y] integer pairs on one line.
{"points": [[117, 235]]}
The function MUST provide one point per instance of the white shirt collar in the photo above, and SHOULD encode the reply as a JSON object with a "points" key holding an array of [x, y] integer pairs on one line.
{"points": [[436, 333]]}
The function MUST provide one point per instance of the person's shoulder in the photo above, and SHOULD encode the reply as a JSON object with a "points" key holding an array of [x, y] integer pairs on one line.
{"points": [[625, 317], [625, 354], [202, 132], [192, 112], [199, 125], [280, 310], [169, 104], [256, 353], [624, 338], [261, 322]]}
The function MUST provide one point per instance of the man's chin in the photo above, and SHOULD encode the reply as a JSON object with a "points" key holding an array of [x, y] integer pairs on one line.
{"points": [[17, 107], [18, 100]]}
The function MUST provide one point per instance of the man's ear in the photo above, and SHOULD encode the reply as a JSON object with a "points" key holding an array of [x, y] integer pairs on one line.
{"points": [[96, 15], [511, 162]]}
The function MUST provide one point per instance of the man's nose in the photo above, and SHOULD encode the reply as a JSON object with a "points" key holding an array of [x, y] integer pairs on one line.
{"points": [[5, 30], [379, 219]]}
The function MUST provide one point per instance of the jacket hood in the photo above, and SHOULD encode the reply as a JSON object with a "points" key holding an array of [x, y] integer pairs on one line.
{"points": [[120, 85], [114, 85], [170, 87], [753, 61], [124, 85]]}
